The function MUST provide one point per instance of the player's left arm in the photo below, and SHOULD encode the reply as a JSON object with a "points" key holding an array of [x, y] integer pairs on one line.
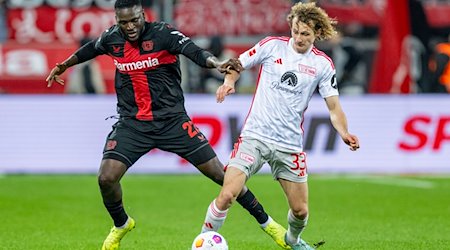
{"points": [[228, 86], [227, 66], [178, 43], [339, 121], [205, 59]]}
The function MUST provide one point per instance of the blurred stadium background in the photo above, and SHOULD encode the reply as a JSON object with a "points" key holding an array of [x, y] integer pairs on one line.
{"points": [[387, 63]]}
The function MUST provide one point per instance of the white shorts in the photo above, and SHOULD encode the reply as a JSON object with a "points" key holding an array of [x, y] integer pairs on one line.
{"points": [[250, 154]]}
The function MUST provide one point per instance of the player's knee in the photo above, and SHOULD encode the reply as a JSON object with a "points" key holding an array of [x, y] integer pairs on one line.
{"points": [[106, 180], [110, 173], [300, 211], [227, 197]]}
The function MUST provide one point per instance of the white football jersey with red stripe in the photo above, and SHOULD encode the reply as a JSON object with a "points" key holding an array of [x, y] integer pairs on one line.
{"points": [[286, 83]]}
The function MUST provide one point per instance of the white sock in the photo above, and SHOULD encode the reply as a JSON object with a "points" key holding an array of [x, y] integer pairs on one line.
{"points": [[214, 218], [295, 228], [264, 225]]}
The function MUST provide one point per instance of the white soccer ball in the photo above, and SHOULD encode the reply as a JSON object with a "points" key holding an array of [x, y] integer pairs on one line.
{"points": [[209, 240]]}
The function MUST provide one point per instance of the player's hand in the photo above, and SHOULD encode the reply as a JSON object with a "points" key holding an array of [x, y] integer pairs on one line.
{"points": [[55, 73], [231, 64], [224, 90], [352, 141]]}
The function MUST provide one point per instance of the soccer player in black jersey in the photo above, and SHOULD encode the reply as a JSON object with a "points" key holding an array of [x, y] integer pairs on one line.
{"points": [[150, 103]]}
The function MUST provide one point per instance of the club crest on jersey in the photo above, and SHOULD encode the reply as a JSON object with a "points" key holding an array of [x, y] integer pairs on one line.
{"points": [[305, 69], [111, 144], [147, 45]]}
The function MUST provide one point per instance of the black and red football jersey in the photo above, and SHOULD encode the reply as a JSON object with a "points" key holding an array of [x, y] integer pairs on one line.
{"points": [[148, 74]]}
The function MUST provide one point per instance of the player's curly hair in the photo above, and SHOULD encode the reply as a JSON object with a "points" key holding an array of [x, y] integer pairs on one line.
{"points": [[120, 4], [315, 17]]}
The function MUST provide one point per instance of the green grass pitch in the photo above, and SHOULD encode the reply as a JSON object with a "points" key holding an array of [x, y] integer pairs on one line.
{"points": [[348, 212]]}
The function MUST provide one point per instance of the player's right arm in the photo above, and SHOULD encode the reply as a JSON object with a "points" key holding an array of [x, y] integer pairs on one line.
{"points": [[87, 52], [83, 54], [228, 86]]}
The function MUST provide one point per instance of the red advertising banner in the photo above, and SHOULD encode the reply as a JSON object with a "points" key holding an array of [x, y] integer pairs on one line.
{"points": [[67, 25], [23, 69], [200, 17], [232, 17], [43, 36], [370, 12], [256, 17]]}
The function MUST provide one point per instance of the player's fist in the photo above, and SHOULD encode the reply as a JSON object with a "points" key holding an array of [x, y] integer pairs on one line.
{"points": [[231, 64], [224, 90], [352, 141]]}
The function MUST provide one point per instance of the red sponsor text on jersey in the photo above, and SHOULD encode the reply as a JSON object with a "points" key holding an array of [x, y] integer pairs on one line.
{"points": [[305, 69]]}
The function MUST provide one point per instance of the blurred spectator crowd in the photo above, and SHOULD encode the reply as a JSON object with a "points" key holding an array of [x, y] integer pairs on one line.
{"points": [[353, 50]]}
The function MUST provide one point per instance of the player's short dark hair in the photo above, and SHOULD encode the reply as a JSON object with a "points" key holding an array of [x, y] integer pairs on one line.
{"points": [[120, 4]]}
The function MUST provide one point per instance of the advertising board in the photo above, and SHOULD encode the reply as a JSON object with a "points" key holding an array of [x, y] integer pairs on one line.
{"points": [[66, 134]]}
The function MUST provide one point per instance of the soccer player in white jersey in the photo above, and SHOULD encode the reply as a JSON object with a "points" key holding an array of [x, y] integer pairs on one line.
{"points": [[291, 70]]}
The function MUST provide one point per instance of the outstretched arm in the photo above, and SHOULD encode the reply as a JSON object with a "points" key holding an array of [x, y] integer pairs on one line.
{"points": [[59, 69], [228, 86], [206, 59], [232, 64], [83, 54], [339, 121]]}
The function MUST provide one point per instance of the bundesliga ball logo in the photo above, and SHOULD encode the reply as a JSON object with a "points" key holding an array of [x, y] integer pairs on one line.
{"points": [[209, 240]]}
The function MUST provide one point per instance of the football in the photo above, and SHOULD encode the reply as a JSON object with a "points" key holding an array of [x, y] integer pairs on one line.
{"points": [[209, 240]]}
